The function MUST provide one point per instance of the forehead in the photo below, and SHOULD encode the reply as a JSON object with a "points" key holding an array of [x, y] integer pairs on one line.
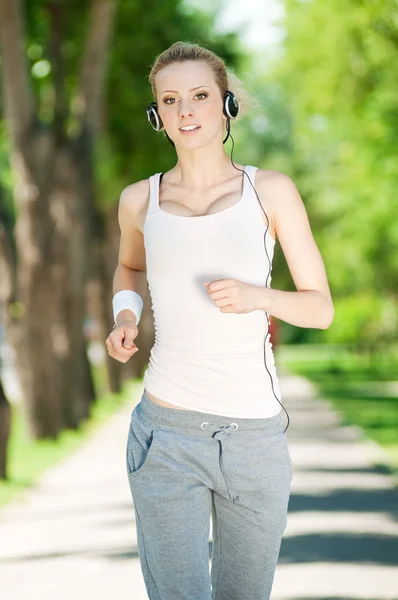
{"points": [[183, 76]]}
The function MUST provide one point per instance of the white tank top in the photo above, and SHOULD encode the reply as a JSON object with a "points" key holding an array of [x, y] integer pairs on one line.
{"points": [[203, 359]]}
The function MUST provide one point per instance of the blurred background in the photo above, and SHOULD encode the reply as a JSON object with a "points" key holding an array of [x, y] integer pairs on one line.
{"points": [[74, 133]]}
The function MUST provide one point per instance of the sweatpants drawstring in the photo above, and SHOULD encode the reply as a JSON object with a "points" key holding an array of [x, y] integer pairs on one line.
{"points": [[220, 435]]}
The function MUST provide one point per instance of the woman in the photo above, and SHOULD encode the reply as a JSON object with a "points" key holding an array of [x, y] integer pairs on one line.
{"points": [[207, 437]]}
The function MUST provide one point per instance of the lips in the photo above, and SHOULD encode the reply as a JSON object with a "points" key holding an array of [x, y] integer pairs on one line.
{"points": [[188, 130]]}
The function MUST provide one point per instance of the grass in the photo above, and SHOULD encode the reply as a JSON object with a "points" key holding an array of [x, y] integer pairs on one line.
{"points": [[28, 459], [362, 389]]}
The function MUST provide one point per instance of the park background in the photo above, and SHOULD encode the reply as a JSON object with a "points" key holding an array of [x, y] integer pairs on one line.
{"points": [[74, 133]]}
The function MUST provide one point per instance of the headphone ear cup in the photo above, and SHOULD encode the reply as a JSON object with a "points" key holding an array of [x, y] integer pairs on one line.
{"points": [[153, 116], [231, 105]]}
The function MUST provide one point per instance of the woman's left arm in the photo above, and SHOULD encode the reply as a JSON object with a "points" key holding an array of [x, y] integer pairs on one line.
{"points": [[312, 304]]}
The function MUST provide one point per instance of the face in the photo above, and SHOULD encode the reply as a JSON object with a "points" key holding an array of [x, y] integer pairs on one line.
{"points": [[187, 94]]}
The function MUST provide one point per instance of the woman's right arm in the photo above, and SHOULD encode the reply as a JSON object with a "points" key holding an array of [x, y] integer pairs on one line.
{"points": [[130, 272]]}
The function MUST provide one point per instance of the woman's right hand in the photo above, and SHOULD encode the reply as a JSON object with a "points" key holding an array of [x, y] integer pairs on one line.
{"points": [[120, 342]]}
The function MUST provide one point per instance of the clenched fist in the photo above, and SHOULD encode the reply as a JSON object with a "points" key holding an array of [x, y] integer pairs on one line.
{"points": [[120, 342]]}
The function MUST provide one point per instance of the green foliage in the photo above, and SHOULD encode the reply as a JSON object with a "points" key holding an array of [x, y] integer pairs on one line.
{"points": [[7, 213], [335, 77], [366, 320], [346, 130]]}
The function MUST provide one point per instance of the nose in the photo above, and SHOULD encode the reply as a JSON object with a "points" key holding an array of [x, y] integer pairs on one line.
{"points": [[185, 109]]}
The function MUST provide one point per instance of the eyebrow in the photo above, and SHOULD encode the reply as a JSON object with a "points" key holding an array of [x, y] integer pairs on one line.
{"points": [[191, 90]]}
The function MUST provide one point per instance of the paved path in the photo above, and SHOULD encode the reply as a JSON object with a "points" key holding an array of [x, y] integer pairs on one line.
{"points": [[73, 536]]}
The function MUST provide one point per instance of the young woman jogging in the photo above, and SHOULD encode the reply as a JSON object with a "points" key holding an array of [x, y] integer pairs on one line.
{"points": [[207, 438]]}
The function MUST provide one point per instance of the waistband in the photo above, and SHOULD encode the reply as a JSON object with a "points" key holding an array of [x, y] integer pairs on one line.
{"points": [[201, 423], [204, 424]]}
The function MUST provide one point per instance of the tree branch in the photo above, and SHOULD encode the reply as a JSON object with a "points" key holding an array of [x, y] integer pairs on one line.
{"points": [[56, 12], [19, 102], [88, 100]]}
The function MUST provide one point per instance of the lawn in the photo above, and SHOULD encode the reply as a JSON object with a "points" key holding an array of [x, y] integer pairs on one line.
{"points": [[28, 459], [363, 389]]}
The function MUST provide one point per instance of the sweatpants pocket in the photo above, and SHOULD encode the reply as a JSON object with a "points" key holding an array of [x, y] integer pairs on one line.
{"points": [[141, 445]]}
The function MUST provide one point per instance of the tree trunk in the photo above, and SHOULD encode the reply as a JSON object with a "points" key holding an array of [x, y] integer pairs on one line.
{"points": [[71, 251], [7, 292], [5, 426]]}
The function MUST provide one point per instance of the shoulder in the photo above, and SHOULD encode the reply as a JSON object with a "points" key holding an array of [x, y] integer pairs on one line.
{"points": [[278, 190], [274, 180], [135, 193], [133, 203]]}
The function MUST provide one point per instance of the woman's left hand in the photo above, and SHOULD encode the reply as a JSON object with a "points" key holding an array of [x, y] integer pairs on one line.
{"points": [[234, 296]]}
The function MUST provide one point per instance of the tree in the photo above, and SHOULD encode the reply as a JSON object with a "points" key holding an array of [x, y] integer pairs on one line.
{"points": [[52, 163]]}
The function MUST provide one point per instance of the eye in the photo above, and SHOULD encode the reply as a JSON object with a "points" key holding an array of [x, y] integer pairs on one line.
{"points": [[166, 101]]}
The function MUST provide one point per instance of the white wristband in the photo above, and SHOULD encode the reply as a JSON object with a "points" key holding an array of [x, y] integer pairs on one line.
{"points": [[127, 299]]}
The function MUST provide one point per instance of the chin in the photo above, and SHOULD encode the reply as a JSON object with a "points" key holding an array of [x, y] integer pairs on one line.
{"points": [[191, 143], [198, 142]]}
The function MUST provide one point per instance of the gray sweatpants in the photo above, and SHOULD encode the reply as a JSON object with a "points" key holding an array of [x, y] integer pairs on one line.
{"points": [[184, 466]]}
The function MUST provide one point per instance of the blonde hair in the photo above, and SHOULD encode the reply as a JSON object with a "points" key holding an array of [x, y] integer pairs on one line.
{"points": [[225, 77]]}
